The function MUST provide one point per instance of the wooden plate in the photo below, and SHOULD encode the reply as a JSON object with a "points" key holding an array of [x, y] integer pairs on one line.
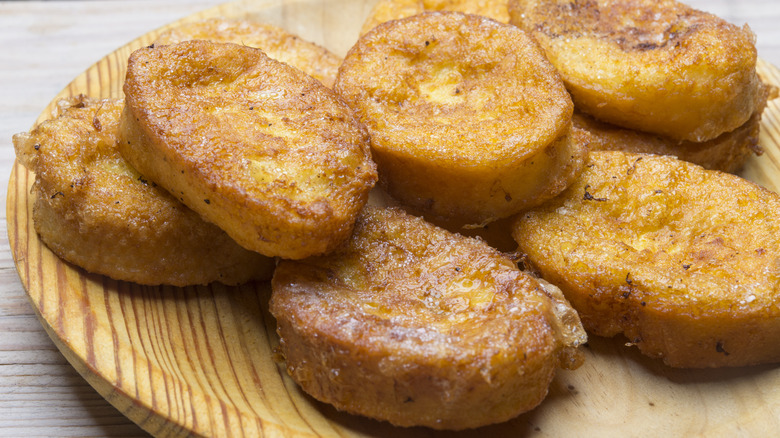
{"points": [[200, 360]]}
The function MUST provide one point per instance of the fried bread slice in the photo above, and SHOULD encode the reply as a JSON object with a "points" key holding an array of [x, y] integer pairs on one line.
{"points": [[415, 325], [387, 10], [684, 261], [276, 42], [468, 120], [654, 66], [257, 147], [94, 210], [727, 152]]}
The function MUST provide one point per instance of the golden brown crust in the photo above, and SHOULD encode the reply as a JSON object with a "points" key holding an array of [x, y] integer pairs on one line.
{"points": [[468, 120], [253, 145], [92, 209], [417, 326], [682, 260], [276, 42], [387, 10], [654, 66], [727, 153]]}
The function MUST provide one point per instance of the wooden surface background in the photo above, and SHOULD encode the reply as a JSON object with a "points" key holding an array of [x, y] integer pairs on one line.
{"points": [[43, 46]]}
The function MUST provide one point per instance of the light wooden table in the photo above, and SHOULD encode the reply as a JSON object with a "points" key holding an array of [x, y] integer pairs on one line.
{"points": [[43, 45]]}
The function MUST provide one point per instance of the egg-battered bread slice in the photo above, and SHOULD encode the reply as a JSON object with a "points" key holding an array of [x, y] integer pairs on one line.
{"points": [[257, 147], [387, 10], [415, 325], [684, 261], [468, 120], [652, 65], [94, 210], [276, 42], [727, 152]]}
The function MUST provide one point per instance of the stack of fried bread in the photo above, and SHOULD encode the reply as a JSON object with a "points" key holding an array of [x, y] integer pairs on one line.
{"points": [[594, 138], [639, 87], [660, 68], [100, 205]]}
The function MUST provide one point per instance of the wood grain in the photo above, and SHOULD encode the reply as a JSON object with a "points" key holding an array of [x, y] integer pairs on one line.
{"points": [[200, 360]]}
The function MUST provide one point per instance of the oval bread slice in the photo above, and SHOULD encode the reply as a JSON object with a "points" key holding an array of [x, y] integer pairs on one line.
{"points": [[657, 66], [276, 42], [414, 325], [468, 120], [728, 152], [387, 10], [257, 147], [684, 261]]}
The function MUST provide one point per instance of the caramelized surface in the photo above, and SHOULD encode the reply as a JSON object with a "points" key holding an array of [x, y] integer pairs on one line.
{"points": [[417, 326], [255, 146], [684, 261], [467, 119]]}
